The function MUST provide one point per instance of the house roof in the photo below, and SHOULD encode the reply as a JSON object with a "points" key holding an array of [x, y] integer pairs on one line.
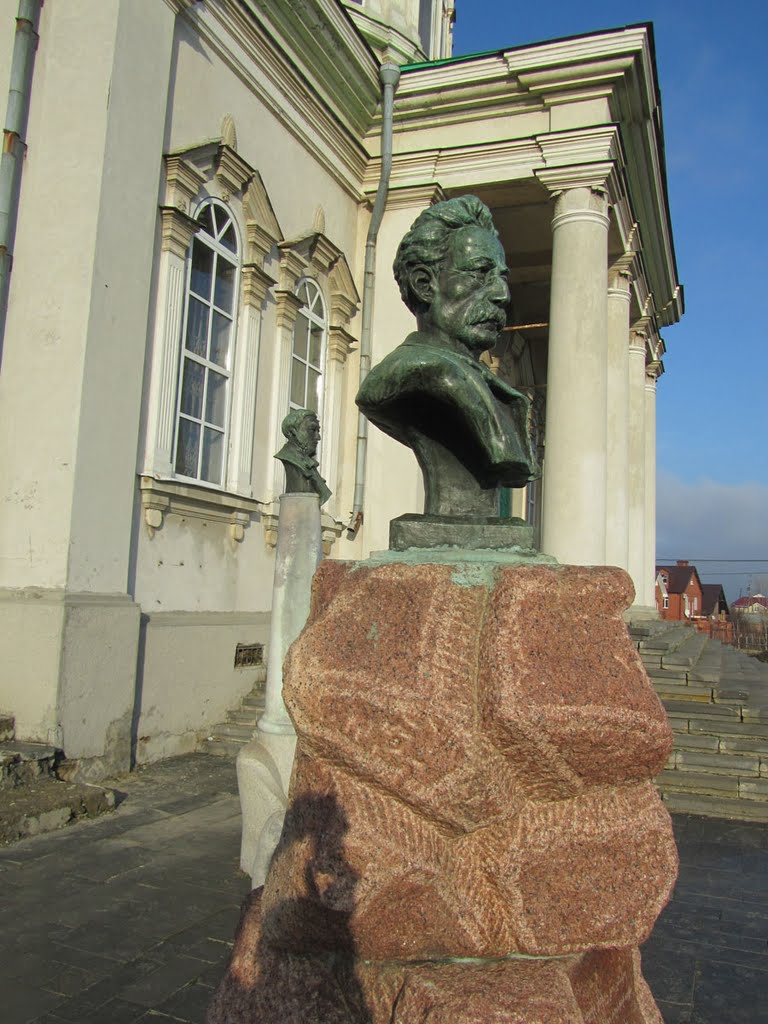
{"points": [[678, 577], [712, 598], [745, 602]]}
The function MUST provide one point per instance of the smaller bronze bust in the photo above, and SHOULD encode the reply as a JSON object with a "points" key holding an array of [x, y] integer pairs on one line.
{"points": [[301, 429]]}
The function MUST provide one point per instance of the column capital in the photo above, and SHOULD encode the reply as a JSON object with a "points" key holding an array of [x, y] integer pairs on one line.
{"points": [[340, 344], [600, 178], [619, 284], [652, 373], [288, 306], [637, 342], [177, 231], [580, 204], [255, 284]]}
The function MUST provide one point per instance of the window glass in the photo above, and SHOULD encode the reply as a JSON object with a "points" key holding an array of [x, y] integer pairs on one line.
{"points": [[206, 358], [308, 350]]}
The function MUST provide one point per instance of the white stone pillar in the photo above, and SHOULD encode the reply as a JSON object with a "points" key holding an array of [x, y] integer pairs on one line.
{"points": [[574, 508], [617, 452], [299, 549], [636, 539], [649, 573], [264, 765]]}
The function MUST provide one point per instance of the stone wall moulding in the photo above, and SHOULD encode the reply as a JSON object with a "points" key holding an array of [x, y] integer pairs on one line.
{"points": [[255, 283], [262, 228], [340, 344], [161, 497], [177, 229], [315, 255], [232, 172], [345, 299], [183, 181], [598, 177]]}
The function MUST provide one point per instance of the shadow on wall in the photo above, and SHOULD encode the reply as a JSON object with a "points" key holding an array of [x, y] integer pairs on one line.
{"points": [[295, 961]]}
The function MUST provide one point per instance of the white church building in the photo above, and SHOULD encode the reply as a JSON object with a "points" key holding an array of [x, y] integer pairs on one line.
{"points": [[187, 189]]}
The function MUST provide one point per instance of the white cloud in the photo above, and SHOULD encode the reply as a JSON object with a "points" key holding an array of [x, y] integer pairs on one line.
{"points": [[709, 520]]}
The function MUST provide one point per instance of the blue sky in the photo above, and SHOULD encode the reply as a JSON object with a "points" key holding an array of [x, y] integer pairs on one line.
{"points": [[712, 400]]}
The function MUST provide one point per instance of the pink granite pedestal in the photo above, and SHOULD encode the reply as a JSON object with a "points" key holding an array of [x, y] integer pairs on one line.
{"points": [[473, 833]]}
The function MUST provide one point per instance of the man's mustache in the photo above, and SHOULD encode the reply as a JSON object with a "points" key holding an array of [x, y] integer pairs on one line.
{"points": [[489, 315]]}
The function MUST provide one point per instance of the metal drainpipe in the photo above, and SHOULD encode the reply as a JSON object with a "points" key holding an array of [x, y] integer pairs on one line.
{"points": [[14, 146], [389, 76]]}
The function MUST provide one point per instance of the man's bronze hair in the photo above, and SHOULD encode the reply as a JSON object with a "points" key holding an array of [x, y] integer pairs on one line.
{"points": [[293, 420], [426, 243]]}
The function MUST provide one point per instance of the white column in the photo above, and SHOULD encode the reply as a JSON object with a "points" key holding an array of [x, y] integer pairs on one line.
{"points": [[574, 509], [649, 573], [299, 550], [617, 452], [636, 539]]}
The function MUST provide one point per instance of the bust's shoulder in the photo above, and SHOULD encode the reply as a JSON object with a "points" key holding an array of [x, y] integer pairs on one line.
{"points": [[416, 365]]}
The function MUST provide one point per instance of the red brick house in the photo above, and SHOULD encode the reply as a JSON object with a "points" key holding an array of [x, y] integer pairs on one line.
{"points": [[679, 593]]}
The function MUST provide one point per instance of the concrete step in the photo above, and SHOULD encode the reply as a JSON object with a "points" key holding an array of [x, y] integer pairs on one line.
{"points": [[719, 763], [715, 806], [221, 747], [45, 804], [232, 730], [666, 641], [685, 709], [672, 781], [687, 653], [676, 689], [22, 763], [725, 727], [256, 702], [708, 669], [244, 716]]}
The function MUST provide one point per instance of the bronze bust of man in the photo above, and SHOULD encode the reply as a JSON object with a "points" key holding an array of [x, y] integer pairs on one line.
{"points": [[467, 428], [301, 429]]}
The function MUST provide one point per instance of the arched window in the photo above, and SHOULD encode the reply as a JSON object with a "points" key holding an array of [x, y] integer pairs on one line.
{"points": [[308, 350], [207, 352]]}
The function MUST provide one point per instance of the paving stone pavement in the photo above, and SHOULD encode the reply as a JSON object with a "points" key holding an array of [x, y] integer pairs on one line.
{"points": [[130, 917]]}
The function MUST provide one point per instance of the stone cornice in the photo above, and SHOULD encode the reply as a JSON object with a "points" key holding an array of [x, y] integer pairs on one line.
{"points": [[183, 181], [262, 228], [340, 344], [308, 66], [177, 230], [287, 308], [232, 172], [255, 284], [480, 95], [345, 299]]}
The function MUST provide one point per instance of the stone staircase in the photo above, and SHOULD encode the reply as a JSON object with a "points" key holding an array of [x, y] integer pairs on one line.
{"points": [[226, 738], [717, 701], [33, 799]]}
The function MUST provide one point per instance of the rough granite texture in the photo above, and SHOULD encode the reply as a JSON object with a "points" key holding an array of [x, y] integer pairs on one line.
{"points": [[473, 780]]}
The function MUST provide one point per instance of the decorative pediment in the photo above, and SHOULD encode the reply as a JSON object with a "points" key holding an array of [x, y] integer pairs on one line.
{"points": [[344, 296], [232, 172], [316, 249], [262, 227], [187, 170]]}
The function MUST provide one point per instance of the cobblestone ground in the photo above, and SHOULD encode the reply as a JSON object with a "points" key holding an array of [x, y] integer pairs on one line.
{"points": [[130, 917]]}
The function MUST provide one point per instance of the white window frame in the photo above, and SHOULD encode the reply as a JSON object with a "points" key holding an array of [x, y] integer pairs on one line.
{"points": [[220, 252], [211, 171], [308, 310]]}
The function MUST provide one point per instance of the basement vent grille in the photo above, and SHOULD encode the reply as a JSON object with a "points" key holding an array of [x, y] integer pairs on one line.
{"points": [[248, 655]]}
